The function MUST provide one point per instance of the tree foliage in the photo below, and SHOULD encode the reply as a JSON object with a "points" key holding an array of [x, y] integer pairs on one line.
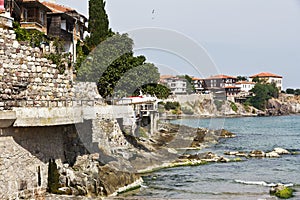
{"points": [[172, 105], [190, 88], [116, 70], [241, 78], [53, 177], [290, 91], [154, 89], [98, 23], [262, 93], [111, 62], [34, 37]]}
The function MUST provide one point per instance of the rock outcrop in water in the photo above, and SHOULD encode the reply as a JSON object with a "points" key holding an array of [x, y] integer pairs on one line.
{"points": [[281, 191]]}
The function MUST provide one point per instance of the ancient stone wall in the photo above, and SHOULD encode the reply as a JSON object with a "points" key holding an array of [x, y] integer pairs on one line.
{"points": [[28, 79], [25, 153]]}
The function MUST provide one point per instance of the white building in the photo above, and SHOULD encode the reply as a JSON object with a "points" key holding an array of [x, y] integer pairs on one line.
{"points": [[269, 78], [177, 85], [245, 86]]}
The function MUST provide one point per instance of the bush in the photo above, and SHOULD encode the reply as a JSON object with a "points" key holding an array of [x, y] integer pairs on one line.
{"points": [[290, 91], [233, 107], [172, 105], [247, 107], [187, 110]]}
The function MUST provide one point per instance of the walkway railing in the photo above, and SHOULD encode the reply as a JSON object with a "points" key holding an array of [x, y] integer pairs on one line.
{"points": [[9, 104]]}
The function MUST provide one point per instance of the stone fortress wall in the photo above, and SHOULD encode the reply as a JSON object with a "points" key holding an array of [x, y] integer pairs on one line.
{"points": [[28, 79]]}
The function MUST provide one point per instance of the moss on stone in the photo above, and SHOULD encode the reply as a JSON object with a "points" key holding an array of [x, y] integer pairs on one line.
{"points": [[285, 193]]}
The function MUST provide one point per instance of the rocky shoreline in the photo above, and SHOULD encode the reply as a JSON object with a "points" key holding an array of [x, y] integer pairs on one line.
{"points": [[165, 149], [210, 108], [89, 178]]}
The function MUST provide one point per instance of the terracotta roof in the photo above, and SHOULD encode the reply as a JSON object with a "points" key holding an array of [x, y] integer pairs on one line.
{"points": [[230, 86], [245, 82], [30, 0], [266, 74], [221, 76], [197, 79], [56, 8], [166, 76]]}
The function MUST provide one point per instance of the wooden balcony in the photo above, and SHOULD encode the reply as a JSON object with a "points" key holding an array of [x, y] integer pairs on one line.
{"points": [[34, 24]]}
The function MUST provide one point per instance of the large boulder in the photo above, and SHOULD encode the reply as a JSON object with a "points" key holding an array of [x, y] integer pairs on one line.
{"points": [[257, 153], [281, 151], [272, 154]]}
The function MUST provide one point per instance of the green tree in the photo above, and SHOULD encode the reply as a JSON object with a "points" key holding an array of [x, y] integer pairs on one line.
{"points": [[190, 88], [114, 51], [138, 75], [290, 91], [53, 177], [160, 91], [297, 92], [98, 23], [262, 93], [256, 80], [111, 62], [241, 78]]}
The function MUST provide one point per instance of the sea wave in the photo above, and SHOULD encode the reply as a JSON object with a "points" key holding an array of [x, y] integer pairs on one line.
{"points": [[263, 183]]}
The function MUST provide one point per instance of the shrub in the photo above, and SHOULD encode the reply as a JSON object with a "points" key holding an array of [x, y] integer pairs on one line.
{"points": [[172, 105], [247, 107], [233, 107], [53, 177], [218, 104]]}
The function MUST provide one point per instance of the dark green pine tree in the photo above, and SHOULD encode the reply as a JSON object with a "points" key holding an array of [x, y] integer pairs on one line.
{"points": [[98, 23]]}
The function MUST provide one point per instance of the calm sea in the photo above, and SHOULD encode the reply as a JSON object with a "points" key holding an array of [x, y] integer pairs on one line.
{"points": [[250, 179]]}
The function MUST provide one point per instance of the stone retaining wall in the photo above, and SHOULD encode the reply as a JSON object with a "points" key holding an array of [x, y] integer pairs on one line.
{"points": [[27, 77]]}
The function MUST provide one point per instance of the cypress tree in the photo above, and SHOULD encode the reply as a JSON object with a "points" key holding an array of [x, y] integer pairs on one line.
{"points": [[98, 22]]}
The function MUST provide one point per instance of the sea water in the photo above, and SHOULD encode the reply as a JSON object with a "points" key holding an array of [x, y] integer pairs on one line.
{"points": [[250, 179]]}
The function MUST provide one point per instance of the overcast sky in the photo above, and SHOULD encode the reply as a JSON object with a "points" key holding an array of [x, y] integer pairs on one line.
{"points": [[242, 37]]}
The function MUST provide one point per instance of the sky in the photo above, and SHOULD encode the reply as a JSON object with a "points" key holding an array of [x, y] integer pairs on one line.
{"points": [[233, 37]]}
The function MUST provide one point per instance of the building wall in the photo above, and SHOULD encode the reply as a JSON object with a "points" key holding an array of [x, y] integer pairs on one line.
{"points": [[246, 87], [177, 86], [277, 81], [54, 23]]}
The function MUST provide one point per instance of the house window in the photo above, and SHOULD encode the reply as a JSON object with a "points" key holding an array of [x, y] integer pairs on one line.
{"points": [[63, 24], [42, 17], [25, 14], [77, 29]]}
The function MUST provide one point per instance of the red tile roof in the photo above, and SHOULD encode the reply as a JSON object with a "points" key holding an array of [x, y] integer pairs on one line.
{"points": [[221, 76], [265, 75], [166, 76], [231, 86], [197, 79], [56, 8]]}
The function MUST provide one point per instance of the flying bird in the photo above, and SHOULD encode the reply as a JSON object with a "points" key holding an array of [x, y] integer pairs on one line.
{"points": [[153, 11]]}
